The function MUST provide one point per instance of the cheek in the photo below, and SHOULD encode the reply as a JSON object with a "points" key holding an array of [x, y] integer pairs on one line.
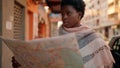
{"points": [[76, 18], [73, 19]]}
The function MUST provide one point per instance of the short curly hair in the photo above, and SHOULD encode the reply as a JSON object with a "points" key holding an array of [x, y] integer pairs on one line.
{"points": [[79, 5]]}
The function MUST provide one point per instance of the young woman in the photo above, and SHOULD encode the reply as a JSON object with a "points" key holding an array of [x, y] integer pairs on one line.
{"points": [[94, 51]]}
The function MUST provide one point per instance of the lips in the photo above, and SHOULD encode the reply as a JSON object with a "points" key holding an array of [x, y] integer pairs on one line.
{"points": [[65, 23]]}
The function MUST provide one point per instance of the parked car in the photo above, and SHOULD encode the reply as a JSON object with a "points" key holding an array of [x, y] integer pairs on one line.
{"points": [[115, 50]]}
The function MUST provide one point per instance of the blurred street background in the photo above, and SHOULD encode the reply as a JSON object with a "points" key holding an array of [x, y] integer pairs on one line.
{"points": [[32, 19]]}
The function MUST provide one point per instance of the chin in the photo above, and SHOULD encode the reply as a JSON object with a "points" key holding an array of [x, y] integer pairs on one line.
{"points": [[67, 26]]}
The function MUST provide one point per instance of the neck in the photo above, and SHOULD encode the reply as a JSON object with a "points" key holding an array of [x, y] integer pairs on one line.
{"points": [[77, 25]]}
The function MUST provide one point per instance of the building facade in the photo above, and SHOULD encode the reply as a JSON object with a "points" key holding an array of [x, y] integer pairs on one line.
{"points": [[23, 20], [12, 13], [13, 25], [103, 16]]}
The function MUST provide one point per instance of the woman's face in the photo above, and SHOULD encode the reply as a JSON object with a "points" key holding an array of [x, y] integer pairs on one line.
{"points": [[70, 16]]}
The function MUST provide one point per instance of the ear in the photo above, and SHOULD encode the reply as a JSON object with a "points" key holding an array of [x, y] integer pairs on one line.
{"points": [[80, 14]]}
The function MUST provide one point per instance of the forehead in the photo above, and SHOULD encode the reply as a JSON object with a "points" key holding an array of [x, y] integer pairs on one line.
{"points": [[67, 8]]}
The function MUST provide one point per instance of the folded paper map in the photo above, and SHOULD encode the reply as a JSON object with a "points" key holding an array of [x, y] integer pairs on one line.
{"points": [[54, 52]]}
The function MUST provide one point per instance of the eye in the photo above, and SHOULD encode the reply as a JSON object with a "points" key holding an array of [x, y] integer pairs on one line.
{"points": [[69, 13]]}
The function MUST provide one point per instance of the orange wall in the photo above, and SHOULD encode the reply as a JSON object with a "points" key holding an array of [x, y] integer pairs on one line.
{"points": [[31, 9], [44, 15], [41, 30], [30, 25], [32, 6]]}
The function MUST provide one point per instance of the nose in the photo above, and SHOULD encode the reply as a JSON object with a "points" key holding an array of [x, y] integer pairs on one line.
{"points": [[64, 17]]}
